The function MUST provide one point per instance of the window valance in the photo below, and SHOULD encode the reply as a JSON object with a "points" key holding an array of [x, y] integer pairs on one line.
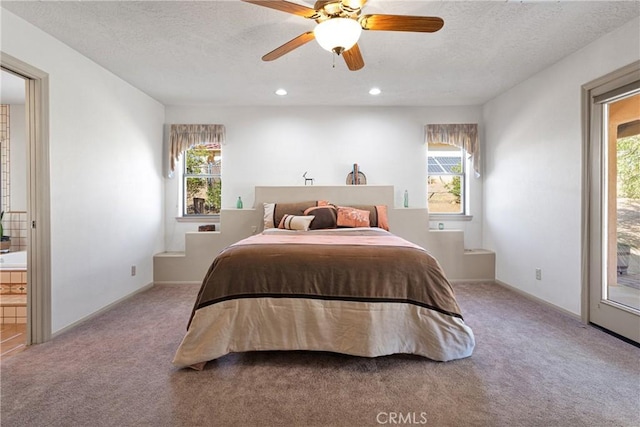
{"points": [[460, 135], [183, 137]]}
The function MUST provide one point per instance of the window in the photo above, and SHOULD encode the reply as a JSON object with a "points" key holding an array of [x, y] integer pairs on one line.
{"points": [[445, 179], [199, 146], [202, 183], [450, 149]]}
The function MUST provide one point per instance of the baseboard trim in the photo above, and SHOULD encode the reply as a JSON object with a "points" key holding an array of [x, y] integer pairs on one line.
{"points": [[101, 311], [539, 300], [454, 281], [173, 282]]}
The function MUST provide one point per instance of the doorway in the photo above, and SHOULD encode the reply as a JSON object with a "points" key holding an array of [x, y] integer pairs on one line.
{"points": [[37, 224], [612, 172], [13, 208]]}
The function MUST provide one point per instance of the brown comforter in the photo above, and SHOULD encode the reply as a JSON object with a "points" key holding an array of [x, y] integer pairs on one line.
{"points": [[364, 292]]}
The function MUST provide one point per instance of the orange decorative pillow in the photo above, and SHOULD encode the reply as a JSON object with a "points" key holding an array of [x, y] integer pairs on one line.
{"points": [[383, 219], [352, 217], [377, 215]]}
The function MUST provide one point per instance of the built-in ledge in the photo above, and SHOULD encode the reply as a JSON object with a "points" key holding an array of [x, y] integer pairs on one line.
{"points": [[201, 247]]}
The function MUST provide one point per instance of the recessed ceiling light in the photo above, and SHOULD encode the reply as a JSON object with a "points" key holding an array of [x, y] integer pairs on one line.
{"points": [[375, 91], [281, 92]]}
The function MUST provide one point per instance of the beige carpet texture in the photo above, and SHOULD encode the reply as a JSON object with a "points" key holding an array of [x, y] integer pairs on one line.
{"points": [[532, 366]]}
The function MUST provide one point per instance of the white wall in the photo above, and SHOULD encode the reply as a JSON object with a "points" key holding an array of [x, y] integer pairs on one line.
{"points": [[106, 175], [18, 157], [275, 146], [533, 166]]}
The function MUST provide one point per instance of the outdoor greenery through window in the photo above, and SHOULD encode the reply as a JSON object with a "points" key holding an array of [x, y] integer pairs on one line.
{"points": [[628, 155], [445, 181], [627, 218], [202, 181]]}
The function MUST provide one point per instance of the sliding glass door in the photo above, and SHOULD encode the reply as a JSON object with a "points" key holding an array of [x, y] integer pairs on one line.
{"points": [[614, 205]]}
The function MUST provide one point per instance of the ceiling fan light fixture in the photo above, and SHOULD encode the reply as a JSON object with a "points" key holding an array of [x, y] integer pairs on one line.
{"points": [[337, 34]]}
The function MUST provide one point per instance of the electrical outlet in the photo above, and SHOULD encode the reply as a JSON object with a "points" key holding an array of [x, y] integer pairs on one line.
{"points": [[538, 274], [133, 270]]}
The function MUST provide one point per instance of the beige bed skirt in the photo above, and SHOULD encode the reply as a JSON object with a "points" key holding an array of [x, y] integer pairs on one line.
{"points": [[366, 329]]}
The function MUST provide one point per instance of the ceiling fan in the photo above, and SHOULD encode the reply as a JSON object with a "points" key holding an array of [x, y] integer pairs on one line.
{"points": [[339, 24]]}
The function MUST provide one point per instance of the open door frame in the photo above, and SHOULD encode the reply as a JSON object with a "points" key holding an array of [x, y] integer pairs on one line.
{"points": [[38, 198]]}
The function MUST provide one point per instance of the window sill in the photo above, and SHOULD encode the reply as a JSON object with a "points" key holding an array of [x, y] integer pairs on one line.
{"points": [[450, 217], [201, 219]]}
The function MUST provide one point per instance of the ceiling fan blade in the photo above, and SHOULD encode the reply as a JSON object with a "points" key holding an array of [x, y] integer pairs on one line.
{"points": [[289, 46], [353, 58], [421, 24], [285, 6]]}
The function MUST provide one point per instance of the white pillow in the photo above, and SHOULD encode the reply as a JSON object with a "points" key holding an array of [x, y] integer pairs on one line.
{"points": [[293, 222], [269, 209]]}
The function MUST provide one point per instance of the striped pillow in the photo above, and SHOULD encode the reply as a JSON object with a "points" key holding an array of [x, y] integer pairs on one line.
{"points": [[295, 222], [273, 212]]}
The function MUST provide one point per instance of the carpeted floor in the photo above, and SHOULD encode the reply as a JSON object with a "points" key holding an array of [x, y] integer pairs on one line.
{"points": [[532, 366]]}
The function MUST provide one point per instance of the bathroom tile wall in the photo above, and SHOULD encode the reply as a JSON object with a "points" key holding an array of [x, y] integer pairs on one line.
{"points": [[15, 226], [5, 181], [13, 297], [13, 282]]}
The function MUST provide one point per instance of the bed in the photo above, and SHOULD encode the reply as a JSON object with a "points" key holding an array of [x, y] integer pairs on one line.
{"points": [[356, 289]]}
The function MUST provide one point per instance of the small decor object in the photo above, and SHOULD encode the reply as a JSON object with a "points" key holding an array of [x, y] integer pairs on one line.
{"points": [[355, 177], [307, 180], [239, 203], [207, 227], [440, 226], [406, 198]]}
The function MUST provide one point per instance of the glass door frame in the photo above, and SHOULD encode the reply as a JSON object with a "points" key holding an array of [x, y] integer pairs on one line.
{"points": [[596, 307]]}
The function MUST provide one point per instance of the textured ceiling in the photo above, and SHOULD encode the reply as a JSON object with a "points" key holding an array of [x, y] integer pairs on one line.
{"points": [[208, 52]]}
